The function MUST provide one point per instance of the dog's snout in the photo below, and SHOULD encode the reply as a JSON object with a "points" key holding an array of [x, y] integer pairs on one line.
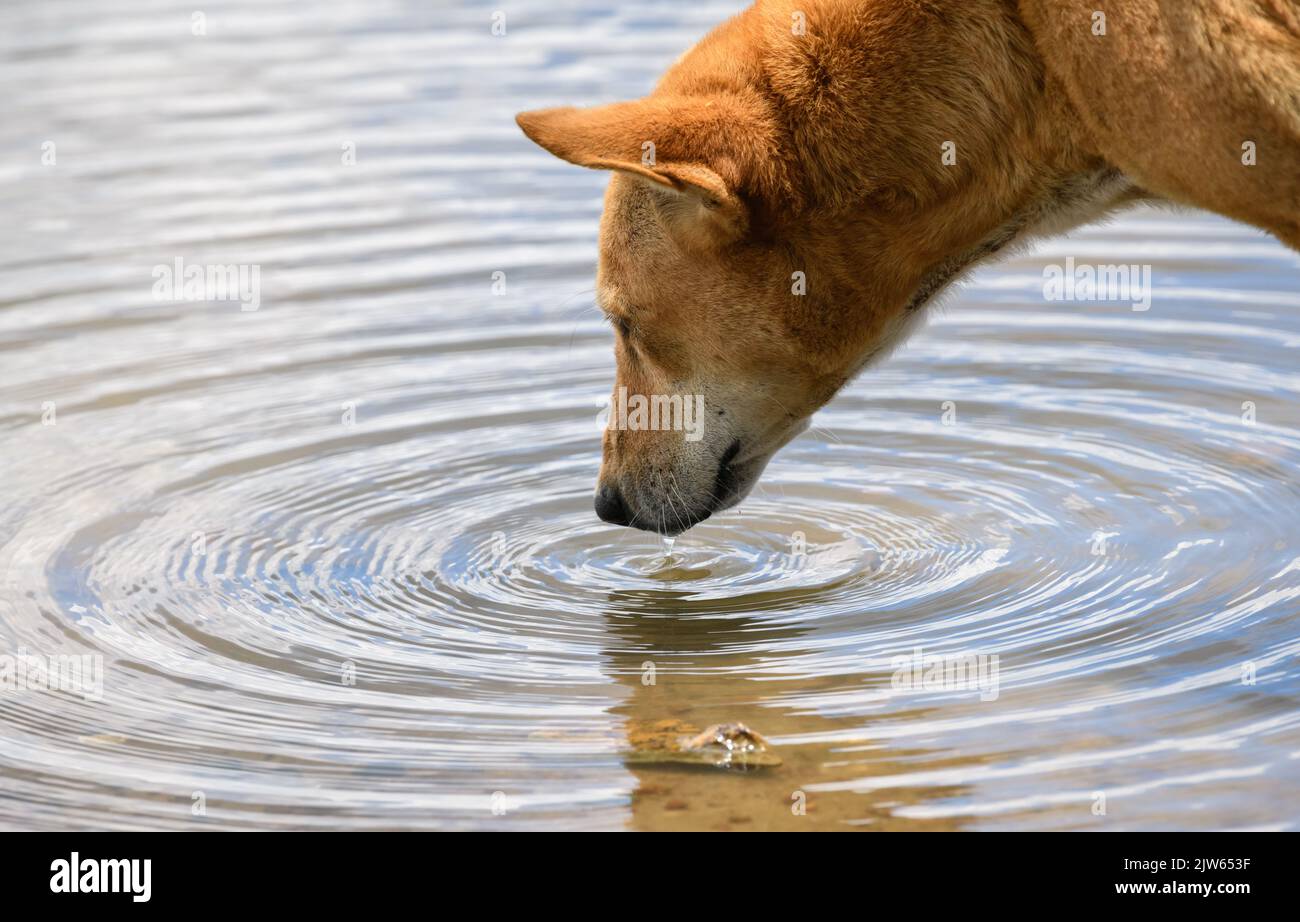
{"points": [[674, 513], [610, 506]]}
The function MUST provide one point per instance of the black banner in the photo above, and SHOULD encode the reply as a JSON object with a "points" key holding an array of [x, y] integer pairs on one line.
{"points": [[325, 870]]}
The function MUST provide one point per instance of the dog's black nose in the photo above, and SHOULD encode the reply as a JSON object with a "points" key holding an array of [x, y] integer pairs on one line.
{"points": [[610, 507]]}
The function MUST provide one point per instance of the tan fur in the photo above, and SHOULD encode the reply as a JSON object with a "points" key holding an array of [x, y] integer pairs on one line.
{"points": [[777, 153]]}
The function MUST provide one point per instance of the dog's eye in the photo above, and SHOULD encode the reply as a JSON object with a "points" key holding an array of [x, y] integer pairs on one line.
{"points": [[622, 326]]}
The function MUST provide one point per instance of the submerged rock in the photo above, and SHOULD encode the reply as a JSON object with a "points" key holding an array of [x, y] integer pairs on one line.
{"points": [[672, 742]]}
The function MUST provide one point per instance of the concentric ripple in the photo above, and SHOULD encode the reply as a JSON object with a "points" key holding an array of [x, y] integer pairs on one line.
{"points": [[338, 557]]}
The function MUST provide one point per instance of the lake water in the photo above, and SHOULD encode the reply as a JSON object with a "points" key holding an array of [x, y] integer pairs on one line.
{"points": [[337, 556]]}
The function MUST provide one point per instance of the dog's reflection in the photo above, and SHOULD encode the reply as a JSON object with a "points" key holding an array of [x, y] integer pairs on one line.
{"points": [[689, 664]]}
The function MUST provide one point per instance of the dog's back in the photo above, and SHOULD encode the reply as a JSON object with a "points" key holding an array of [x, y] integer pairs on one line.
{"points": [[1197, 101]]}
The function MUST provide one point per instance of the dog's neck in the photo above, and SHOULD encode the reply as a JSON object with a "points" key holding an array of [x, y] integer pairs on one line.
{"points": [[929, 139], [1076, 199], [889, 147]]}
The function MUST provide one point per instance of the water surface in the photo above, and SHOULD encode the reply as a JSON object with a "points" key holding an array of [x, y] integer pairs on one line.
{"points": [[338, 556]]}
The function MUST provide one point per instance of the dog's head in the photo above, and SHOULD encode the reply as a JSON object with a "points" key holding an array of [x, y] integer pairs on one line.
{"points": [[713, 376], [776, 209], [724, 347]]}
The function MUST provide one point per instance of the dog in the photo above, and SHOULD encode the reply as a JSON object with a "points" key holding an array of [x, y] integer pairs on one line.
{"points": [[812, 174]]}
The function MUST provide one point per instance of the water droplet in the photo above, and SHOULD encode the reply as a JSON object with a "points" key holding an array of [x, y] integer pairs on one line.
{"points": [[668, 546]]}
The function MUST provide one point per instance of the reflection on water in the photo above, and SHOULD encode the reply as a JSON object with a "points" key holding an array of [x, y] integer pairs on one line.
{"points": [[338, 557], [681, 665]]}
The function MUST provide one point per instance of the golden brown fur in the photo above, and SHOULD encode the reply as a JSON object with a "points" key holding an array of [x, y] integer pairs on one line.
{"points": [[881, 153]]}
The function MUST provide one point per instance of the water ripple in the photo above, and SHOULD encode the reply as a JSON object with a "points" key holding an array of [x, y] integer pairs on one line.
{"points": [[338, 554]]}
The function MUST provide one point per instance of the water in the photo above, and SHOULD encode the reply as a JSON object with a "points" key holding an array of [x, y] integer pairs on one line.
{"points": [[338, 554]]}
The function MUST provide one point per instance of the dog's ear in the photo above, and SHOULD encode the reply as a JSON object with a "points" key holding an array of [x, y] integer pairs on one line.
{"points": [[677, 146]]}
